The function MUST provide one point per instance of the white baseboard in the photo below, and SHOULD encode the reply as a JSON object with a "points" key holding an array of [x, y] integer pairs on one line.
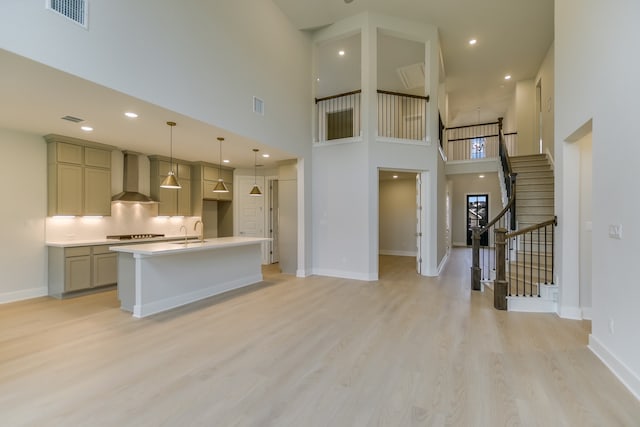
{"points": [[443, 263], [397, 253], [586, 313], [629, 378], [369, 277], [531, 305], [302, 273], [14, 296], [566, 312]]}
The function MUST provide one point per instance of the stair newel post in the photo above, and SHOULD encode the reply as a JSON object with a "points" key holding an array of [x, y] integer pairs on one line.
{"points": [[500, 284], [475, 258]]}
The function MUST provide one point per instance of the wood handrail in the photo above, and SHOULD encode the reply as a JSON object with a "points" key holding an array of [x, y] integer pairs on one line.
{"points": [[470, 126], [340, 95], [472, 137], [553, 221], [386, 92], [502, 213]]}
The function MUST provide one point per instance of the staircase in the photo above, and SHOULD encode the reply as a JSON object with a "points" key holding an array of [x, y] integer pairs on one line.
{"points": [[531, 262]]}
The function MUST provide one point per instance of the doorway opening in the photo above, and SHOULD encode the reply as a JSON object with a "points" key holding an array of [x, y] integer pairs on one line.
{"points": [[399, 220], [477, 216]]}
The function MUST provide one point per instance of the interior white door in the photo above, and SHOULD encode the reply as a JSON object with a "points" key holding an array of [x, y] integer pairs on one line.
{"points": [[418, 224], [250, 208]]}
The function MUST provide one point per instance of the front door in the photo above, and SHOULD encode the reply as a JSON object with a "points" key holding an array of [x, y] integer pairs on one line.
{"points": [[477, 216]]}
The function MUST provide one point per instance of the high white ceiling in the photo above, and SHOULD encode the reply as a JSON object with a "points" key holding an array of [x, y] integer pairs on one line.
{"points": [[35, 97], [513, 38]]}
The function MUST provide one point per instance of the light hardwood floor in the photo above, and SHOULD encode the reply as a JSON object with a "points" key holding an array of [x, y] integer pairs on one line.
{"points": [[405, 350]]}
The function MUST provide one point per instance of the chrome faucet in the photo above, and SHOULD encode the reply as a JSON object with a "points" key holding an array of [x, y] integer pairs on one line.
{"points": [[185, 233], [195, 227]]}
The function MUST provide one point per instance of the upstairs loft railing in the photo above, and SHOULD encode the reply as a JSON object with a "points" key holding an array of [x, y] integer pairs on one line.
{"points": [[402, 116], [338, 116], [479, 141]]}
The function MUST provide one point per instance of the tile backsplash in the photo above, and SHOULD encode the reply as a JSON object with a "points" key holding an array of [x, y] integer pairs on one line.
{"points": [[126, 218]]}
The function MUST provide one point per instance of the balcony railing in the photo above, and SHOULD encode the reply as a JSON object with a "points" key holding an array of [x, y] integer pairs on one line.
{"points": [[338, 116], [402, 116], [479, 141]]}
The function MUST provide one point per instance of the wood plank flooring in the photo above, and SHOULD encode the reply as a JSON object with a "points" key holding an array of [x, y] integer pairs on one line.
{"points": [[402, 351]]}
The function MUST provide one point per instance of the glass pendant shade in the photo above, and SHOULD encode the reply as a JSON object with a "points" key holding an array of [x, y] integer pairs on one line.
{"points": [[171, 181], [220, 187]]}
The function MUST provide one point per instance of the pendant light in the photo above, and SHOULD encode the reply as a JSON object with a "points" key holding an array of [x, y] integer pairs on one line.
{"points": [[255, 191], [220, 186], [170, 181]]}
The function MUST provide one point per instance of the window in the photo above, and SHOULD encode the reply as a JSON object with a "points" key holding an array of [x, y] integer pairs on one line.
{"points": [[478, 146], [340, 124]]}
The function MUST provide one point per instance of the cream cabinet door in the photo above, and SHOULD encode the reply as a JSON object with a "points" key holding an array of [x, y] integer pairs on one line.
{"points": [[167, 201], [77, 273], [105, 269], [97, 191], [184, 198], [69, 190]]}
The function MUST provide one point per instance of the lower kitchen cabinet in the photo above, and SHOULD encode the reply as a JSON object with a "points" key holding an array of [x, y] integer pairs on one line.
{"points": [[104, 266], [80, 269]]}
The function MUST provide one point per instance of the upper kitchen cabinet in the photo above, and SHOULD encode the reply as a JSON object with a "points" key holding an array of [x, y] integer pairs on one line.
{"points": [[79, 177], [172, 202], [205, 178]]}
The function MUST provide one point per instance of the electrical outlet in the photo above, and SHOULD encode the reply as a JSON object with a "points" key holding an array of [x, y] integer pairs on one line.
{"points": [[611, 328], [615, 231]]}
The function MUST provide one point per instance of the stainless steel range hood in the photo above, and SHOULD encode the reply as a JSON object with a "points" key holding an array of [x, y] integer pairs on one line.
{"points": [[131, 182]]}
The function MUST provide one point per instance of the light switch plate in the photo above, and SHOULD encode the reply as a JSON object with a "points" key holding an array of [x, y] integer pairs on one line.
{"points": [[615, 231]]}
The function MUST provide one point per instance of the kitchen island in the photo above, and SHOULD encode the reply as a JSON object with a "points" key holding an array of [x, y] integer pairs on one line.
{"points": [[154, 277]]}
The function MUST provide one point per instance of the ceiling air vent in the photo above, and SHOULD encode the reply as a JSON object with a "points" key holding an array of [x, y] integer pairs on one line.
{"points": [[76, 10], [72, 119], [412, 76], [258, 106]]}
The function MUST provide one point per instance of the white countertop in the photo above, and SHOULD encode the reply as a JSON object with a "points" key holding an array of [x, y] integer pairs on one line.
{"points": [[165, 248], [95, 242]]}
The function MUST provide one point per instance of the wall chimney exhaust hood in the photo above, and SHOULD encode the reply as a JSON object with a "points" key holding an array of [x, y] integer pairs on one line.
{"points": [[131, 181]]}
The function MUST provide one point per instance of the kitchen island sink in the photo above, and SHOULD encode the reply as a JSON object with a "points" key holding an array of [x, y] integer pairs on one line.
{"points": [[156, 277]]}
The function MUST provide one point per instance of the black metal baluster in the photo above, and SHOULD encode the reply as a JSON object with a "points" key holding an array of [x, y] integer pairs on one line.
{"points": [[538, 263]]}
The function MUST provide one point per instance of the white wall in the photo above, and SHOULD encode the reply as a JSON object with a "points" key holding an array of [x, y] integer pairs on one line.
{"points": [[546, 80], [525, 117], [345, 176], [397, 220], [23, 255], [597, 79], [586, 223]]}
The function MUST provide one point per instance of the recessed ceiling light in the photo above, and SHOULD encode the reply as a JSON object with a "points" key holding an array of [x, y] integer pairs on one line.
{"points": [[131, 114], [225, 161], [318, 79], [480, 176], [473, 41], [395, 176], [86, 128], [341, 52], [265, 155], [507, 77]]}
